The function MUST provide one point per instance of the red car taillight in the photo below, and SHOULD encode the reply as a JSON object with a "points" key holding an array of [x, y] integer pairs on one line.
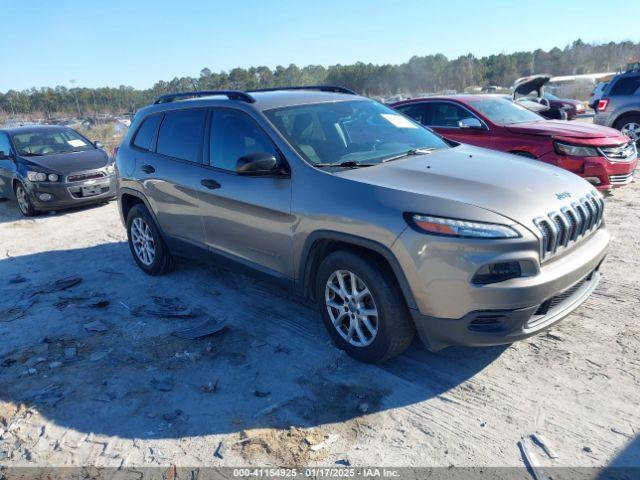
{"points": [[602, 104]]}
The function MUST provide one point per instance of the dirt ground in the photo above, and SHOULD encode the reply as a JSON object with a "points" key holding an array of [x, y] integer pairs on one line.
{"points": [[94, 369]]}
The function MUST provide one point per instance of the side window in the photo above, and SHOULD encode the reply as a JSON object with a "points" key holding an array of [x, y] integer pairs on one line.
{"points": [[448, 115], [626, 86], [420, 112], [147, 131], [233, 135], [5, 145], [181, 134]]}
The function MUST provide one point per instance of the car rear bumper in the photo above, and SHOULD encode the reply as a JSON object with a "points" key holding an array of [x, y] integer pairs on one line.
{"points": [[603, 173], [69, 195]]}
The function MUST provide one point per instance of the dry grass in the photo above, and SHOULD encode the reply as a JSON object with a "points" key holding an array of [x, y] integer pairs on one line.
{"points": [[106, 133]]}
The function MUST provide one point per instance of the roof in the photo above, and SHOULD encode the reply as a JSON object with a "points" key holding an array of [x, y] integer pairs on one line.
{"points": [[458, 97], [33, 129], [264, 100]]}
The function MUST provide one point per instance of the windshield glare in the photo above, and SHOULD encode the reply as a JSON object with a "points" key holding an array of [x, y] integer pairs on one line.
{"points": [[504, 112], [50, 142], [354, 131]]}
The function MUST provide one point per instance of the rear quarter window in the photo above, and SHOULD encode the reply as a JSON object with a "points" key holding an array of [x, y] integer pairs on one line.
{"points": [[147, 131], [626, 86]]}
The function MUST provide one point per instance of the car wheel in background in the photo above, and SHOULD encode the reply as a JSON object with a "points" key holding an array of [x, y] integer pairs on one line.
{"points": [[362, 307], [630, 126], [146, 244], [24, 202]]}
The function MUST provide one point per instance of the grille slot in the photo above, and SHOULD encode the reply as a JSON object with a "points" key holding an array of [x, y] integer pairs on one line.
{"points": [[83, 176], [620, 153], [621, 179], [559, 230]]}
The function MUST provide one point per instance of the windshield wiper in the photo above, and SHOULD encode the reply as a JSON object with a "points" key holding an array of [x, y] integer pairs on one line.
{"points": [[349, 164], [408, 153], [31, 154]]}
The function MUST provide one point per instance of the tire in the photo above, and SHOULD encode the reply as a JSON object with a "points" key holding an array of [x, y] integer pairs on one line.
{"points": [[629, 125], [144, 238], [394, 327], [24, 202]]}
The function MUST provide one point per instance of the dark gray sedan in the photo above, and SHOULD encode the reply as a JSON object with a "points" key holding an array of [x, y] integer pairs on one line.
{"points": [[47, 167]]}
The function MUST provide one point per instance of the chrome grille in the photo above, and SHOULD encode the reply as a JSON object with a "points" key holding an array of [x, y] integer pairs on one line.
{"points": [[83, 176], [569, 225], [621, 179], [620, 153]]}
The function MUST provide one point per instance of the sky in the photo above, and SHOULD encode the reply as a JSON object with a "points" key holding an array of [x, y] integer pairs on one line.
{"points": [[138, 42]]}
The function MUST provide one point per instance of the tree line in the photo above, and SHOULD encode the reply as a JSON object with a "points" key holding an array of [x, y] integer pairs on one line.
{"points": [[421, 74]]}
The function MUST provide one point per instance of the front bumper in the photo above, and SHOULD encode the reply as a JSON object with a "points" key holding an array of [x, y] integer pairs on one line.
{"points": [[69, 195], [454, 311], [609, 174]]}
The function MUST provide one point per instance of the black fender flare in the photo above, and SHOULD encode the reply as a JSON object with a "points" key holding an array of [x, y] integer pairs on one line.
{"points": [[304, 270]]}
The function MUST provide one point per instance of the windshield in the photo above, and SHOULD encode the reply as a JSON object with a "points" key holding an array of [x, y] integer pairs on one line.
{"points": [[50, 142], [357, 132], [504, 112]]}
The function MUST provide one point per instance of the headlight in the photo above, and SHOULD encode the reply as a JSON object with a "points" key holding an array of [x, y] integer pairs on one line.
{"points": [[37, 176], [460, 228], [575, 150], [111, 168]]}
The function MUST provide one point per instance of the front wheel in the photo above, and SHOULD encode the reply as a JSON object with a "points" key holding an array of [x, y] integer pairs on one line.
{"points": [[146, 244], [24, 202], [362, 307]]}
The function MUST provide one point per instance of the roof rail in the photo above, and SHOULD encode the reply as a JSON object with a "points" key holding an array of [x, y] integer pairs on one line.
{"points": [[230, 94], [322, 88]]}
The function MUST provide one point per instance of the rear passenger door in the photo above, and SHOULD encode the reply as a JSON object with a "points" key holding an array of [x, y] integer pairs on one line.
{"points": [[169, 164], [246, 218]]}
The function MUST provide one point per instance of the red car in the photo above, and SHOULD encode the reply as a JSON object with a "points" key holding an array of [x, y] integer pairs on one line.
{"points": [[601, 155]]}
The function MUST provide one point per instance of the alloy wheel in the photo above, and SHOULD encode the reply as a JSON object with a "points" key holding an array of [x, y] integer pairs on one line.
{"points": [[143, 241], [23, 201], [631, 130], [351, 308]]}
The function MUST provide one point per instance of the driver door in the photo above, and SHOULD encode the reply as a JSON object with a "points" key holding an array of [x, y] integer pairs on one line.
{"points": [[246, 217]]}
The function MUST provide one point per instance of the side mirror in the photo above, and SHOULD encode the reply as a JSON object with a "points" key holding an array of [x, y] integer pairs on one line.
{"points": [[259, 163], [471, 122], [98, 144], [4, 156]]}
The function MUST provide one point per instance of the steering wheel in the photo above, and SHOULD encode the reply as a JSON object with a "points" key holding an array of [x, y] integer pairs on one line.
{"points": [[544, 101]]}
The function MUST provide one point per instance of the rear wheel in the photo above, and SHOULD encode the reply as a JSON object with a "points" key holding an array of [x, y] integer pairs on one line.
{"points": [[24, 202], [146, 244], [362, 307], [630, 126]]}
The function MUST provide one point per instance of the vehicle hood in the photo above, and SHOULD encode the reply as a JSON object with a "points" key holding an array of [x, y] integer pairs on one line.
{"points": [[65, 163], [523, 86], [570, 131], [514, 187]]}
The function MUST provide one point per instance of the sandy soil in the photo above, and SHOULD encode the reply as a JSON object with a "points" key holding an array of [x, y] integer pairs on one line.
{"points": [[91, 375]]}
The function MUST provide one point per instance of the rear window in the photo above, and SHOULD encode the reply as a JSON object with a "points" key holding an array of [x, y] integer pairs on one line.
{"points": [[146, 132], [626, 86], [181, 134]]}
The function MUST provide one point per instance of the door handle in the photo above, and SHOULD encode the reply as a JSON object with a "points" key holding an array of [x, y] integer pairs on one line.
{"points": [[210, 184], [147, 168]]}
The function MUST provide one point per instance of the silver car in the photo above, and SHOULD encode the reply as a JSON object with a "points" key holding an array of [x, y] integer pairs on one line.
{"points": [[619, 106], [388, 227]]}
